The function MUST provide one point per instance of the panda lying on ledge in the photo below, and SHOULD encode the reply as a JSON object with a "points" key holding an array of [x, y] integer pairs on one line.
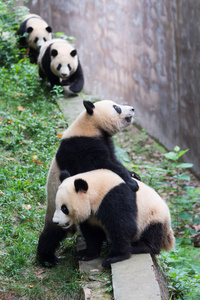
{"points": [[103, 204]]}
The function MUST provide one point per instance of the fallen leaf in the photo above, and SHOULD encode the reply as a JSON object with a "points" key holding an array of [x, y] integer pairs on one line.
{"points": [[59, 135], [28, 206], [21, 108], [36, 161], [23, 127]]}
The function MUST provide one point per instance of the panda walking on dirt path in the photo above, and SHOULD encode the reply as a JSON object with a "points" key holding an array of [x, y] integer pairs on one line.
{"points": [[58, 62]]}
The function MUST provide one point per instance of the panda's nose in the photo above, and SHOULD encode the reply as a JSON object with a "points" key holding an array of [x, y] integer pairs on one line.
{"points": [[56, 223], [63, 74]]}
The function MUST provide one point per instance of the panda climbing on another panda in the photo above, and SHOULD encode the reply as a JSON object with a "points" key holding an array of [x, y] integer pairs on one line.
{"points": [[103, 204], [86, 145], [58, 61], [38, 32]]}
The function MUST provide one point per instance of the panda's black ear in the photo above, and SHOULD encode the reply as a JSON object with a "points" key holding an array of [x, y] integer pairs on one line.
{"points": [[73, 53], [89, 106], [49, 29], [54, 52], [80, 185], [63, 175], [29, 29]]}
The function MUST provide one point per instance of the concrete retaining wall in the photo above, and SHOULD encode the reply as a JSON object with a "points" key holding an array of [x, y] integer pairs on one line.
{"points": [[145, 53]]}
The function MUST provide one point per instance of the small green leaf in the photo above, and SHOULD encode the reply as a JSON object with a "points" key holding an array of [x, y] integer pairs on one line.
{"points": [[171, 155], [185, 215], [185, 165], [177, 148], [197, 190], [196, 221], [182, 152], [183, 177]]}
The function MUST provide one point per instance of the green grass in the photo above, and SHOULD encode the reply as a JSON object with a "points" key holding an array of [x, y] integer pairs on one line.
{"points": [[29, 123]]}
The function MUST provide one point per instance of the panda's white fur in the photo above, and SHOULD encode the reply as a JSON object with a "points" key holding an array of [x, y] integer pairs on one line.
{"points": [[151, 208], [39, 31], [104, 118], [68, 63]]}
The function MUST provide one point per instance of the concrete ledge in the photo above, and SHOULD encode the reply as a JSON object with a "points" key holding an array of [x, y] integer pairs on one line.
{"points": [[134, 279], [71, 107]]}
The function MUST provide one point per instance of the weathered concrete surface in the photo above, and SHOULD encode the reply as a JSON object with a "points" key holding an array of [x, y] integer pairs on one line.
{"points": [[71, 107], [143, 52], [134, 279], [95, 287]]}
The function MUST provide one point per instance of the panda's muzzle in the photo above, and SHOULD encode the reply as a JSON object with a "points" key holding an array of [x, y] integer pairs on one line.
{"points": [[66, 225], [64, 75], [128, 119]]}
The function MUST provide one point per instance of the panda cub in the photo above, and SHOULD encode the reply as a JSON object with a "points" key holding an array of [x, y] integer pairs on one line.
{"points": [[38, 33], [59, 62], [102, 203], [86, 145]]}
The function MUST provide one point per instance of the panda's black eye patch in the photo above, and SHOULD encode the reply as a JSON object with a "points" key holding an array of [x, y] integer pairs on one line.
{"points": [[69, 67], [35, 40], [59, 67], [118, 109], [44, 39], [64, 209]]}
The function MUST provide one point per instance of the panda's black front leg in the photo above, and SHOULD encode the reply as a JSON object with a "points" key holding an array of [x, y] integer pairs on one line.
{"points": [[77, 80], [94, 237], [49, 240], [33, 55], [125, 175]]}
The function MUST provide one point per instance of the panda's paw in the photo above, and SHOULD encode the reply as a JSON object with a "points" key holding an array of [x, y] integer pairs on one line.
{"points": [[49, 262], [135, 175], [113, 259], [84, 255], [133, 185]]}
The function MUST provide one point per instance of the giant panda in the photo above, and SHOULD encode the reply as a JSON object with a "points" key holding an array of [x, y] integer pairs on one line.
{"points": [[103, 204], [86, 145], [38, 31], [59, 62]]}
